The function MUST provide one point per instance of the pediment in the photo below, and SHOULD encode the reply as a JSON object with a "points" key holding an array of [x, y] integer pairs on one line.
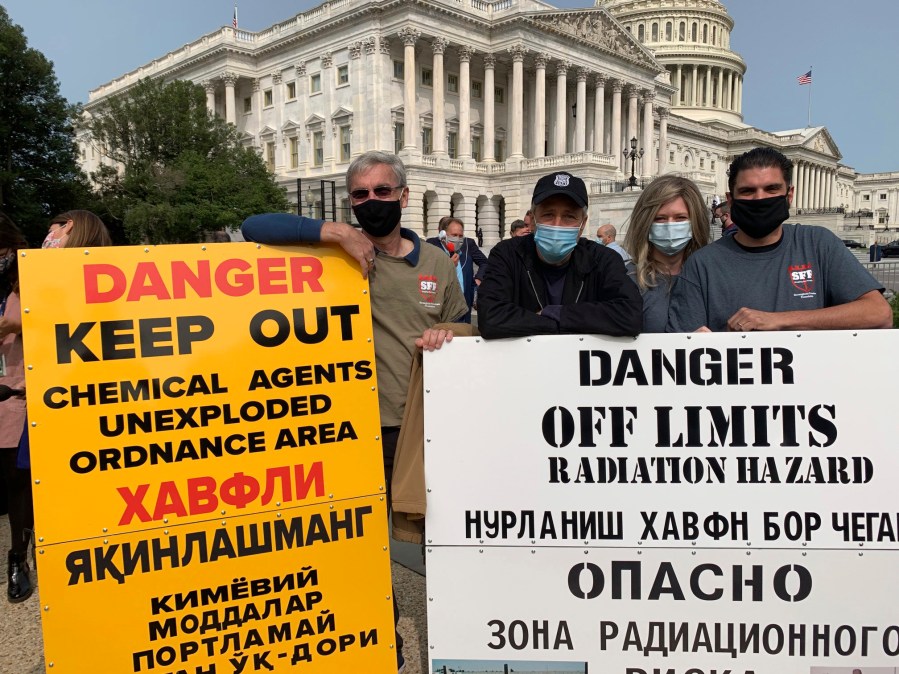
{"points": [[598, 29], [290, 125], [266, 131], [823, 143], [314, 120], [341, 113]]}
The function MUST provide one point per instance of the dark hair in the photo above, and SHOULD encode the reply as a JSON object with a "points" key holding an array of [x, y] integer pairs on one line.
{"points": [[760, 157], [516, 225], [10, 234]]}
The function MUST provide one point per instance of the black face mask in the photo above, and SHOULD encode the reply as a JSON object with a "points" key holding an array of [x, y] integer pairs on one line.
{"points": [[757, 218], [378, 218]]}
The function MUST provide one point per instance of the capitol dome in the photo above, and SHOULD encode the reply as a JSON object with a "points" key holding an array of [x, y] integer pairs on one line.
{"points": [[691, 39]]}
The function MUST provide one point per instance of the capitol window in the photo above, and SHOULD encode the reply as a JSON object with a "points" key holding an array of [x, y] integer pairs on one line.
{"points": [[427, 77], [452, 83], [248, 105], [267, 99], [399, 131], [399, 70], [318, 150], [315, 83], [427, 142], [499, 95], [477, 89], [294, 152], [343, 75], [291, 90], [451, 139], [270, 156], [345, 136]]}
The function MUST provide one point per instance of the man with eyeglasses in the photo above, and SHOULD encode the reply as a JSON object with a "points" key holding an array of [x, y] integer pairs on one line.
{"points": [[413, 286], [553, 281]]}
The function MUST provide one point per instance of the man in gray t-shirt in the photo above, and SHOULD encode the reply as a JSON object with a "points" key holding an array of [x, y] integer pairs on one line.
{"points": [[772, 276]]}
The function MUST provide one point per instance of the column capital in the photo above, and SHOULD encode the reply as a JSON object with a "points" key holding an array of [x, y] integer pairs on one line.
{"points": [[562, 68], [370, 44], [663, 111], [630, 90], [355, 49], [409, 35], [540, 59], [300, 67], [518, 51], [489, 61], [276, 77], [647, 96], [465, 53], [600, 80], [439, 45], [209, 86], [582, 74], [229, 79], [327, 59], [617, 86], [384, 45], [256, 85]]}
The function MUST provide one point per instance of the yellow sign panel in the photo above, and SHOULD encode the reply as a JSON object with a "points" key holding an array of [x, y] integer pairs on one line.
{"points": [[305, 588], [204, 427], [178, 383]]}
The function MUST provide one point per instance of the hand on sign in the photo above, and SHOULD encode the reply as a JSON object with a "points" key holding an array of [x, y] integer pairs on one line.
{"points": [[747, 320], [431, 340], [354, 242]]}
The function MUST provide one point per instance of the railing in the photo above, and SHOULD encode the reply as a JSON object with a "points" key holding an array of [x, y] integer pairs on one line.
{"points": [[886, 273], [859, 214], [612, 186], [571, 159], [491, 168], [820, 211]]}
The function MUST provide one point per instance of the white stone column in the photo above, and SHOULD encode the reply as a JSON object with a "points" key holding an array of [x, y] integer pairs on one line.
{"points": [[360, 134], [797, 184], [487, 150], [560, 145], [729, 94], [381, 68], [517, 102], [816, 187], [278, 104], [740, 94], [599, 112], [719, 102], [464, 138], [615, 146], [679, 98], [806, 184], [632, 120], [580, 123], [438, 101], [230, 80], [662, 167], [257, 106], [209, 86], [707, 94], [488, 219], [693, 81], [409, 36], [540, 105], [647, 169], [439, 206]]}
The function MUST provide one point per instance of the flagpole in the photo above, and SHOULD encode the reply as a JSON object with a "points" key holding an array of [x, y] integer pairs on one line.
{"points": [[810, 99]]}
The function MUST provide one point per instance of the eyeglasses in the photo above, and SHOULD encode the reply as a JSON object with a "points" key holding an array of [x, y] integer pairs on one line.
{"points": [[380, 192]]}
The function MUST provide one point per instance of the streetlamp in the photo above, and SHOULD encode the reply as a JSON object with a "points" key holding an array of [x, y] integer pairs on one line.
{"points": [[886, 221], [632, 155], [310, 201]]}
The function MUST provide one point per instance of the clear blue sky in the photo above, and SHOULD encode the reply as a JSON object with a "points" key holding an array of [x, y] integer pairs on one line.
{"points": [[851, 46]]}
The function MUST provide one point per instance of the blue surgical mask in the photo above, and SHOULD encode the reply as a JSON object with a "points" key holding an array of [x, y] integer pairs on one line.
{"points": [[670, 237], [556, 243]]}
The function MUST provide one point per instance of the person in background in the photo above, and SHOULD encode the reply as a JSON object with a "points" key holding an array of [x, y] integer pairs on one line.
{"points": [[771, 275], [465, 254], [605, 236], [77, 229], [667, 226], [722, 213], [554, 282], [12, 415], [519, 228]]}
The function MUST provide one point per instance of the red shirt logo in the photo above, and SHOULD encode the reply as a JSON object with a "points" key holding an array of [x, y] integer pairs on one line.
{"points": [[802, 277], [427, 288]]}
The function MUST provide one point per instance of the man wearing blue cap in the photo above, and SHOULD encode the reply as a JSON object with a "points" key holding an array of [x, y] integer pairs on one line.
{"points": [[554, 281]]}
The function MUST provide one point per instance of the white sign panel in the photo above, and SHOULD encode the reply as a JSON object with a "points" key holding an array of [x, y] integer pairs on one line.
{"points": [[686, 502]]}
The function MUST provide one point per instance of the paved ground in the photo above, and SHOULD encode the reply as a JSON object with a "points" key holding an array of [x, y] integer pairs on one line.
{"points": [[21, 645]]}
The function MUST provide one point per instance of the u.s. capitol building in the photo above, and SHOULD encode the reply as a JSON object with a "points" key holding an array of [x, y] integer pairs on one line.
{"points": [[482, 97]]}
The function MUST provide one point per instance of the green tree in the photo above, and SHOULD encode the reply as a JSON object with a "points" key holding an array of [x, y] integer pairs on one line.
{"points": [[179, 171], [39, 175]]}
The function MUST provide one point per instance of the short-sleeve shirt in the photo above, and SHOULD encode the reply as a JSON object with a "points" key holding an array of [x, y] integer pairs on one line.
{"points": [[810, 268], [408, 295]]}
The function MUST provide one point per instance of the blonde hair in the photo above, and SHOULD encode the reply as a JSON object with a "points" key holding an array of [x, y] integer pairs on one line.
{"points": [[87, 230], [658, 193]]}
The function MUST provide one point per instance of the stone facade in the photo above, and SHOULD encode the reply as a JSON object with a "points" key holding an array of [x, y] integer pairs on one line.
{"points": [[482, 97]]}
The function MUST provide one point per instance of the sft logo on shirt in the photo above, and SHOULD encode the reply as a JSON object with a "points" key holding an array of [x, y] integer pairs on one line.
{"points": [[802, 277], [427, 288]]}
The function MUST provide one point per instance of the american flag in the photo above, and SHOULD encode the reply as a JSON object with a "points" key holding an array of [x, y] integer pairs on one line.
{"points": [[805, 79], [234, 20]]}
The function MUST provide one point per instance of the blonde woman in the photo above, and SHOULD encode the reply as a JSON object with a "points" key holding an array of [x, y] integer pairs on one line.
{"points": [[669, 223]]}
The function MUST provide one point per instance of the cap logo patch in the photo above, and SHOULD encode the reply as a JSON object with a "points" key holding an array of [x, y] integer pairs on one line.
{"points": [[561, 180]]}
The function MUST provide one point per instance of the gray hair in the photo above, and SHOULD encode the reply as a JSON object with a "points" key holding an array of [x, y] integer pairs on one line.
{"points": [[369, 160]]}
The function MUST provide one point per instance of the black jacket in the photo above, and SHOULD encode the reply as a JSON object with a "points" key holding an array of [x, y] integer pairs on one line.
{"points": [[598, 297]]}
